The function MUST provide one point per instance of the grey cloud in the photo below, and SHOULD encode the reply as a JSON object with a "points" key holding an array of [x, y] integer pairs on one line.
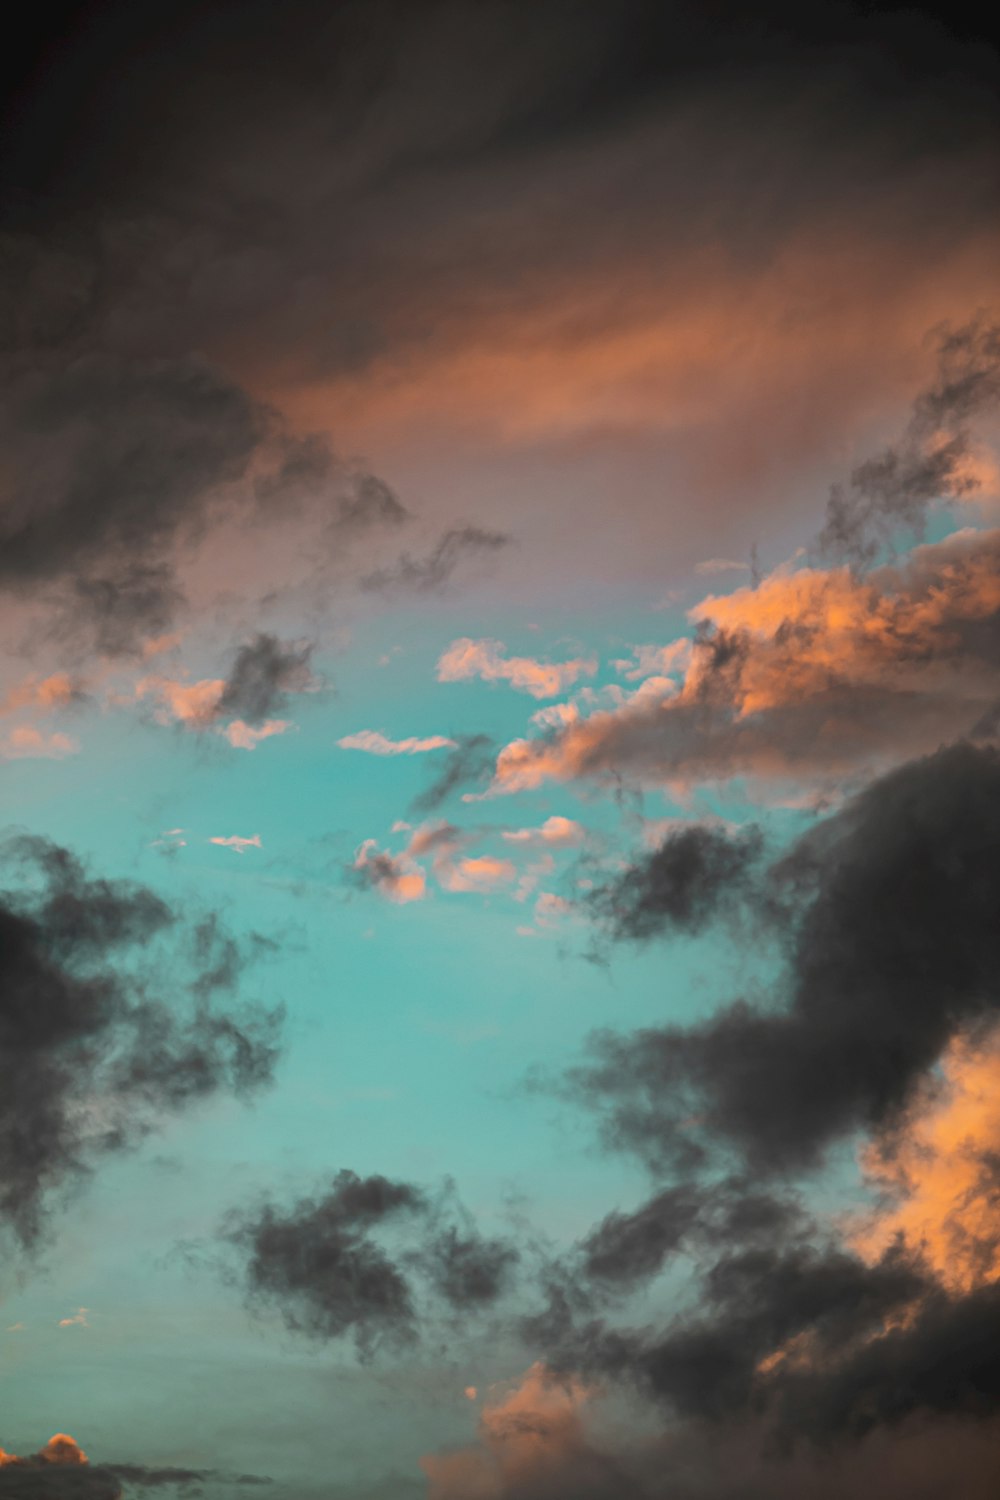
{"points": [[110, 1020], [896, 488], [265, 671], [435, 571], [891, 949]]}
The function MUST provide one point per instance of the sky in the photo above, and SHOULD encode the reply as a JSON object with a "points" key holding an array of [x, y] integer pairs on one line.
{"points": [[499, 718]]}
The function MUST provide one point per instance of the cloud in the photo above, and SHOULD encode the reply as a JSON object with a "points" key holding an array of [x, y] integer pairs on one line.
{"points": [[466, 659], [690, 879], [556, 832], [713, 565], [533, 1444], [62, 1469], [263, 674], [433, 573], [244, 737], [871, 994], [470, 762], [55, 691], [238, 844], [397, 877], [374, 742], [110, 1021], [938, 1171], [321, 1264], [25, 742], [481, 872], [77, 1320], [935, 460], [809, 678]]}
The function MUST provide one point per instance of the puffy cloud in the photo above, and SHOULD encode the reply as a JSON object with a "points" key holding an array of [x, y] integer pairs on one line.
{"points": [[466, 659], [938, 1170], [374, 742], [55, 691], [396, 877], [25, 742], [533, 1444]]}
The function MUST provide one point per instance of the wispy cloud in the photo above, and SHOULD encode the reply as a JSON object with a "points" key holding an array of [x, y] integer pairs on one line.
{"points": [[374, 742]]}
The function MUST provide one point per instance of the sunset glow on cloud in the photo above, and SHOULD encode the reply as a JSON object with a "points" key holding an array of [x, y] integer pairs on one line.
{"points": [[500, 721]]}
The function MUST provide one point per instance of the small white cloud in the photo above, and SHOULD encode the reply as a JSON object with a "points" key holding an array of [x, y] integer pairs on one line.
{"points": [[236, 843], [374, 742]]}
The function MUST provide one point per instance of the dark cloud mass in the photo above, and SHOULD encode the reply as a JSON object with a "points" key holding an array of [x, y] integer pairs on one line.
{"points": [[892, 947], [322, 1266], [678, 887], [110, 1019]]}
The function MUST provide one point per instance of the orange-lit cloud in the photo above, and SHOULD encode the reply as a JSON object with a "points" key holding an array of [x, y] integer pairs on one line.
{"points": [[466, 659], [60, 1449], [397, 877], [25, 742], [555, 832], [194, 704], [939, 1172], [814, 674], [530, 1435], [482, 873], [43, 693]]}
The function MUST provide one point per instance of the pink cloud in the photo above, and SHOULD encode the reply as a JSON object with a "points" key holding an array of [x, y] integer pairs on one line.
{"points": [[374, 742], [466, 659], [555, 832], [25, 742], [245, 737]]}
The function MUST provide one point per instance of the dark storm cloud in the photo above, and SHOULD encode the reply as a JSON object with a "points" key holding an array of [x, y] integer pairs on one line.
{"points": [[468, 1269], [680, 886], [321, 1265], [433, 572], [109, 1020], [893, 946], [896, 488], [471, 762], [627, 1249], [265, 671]]}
